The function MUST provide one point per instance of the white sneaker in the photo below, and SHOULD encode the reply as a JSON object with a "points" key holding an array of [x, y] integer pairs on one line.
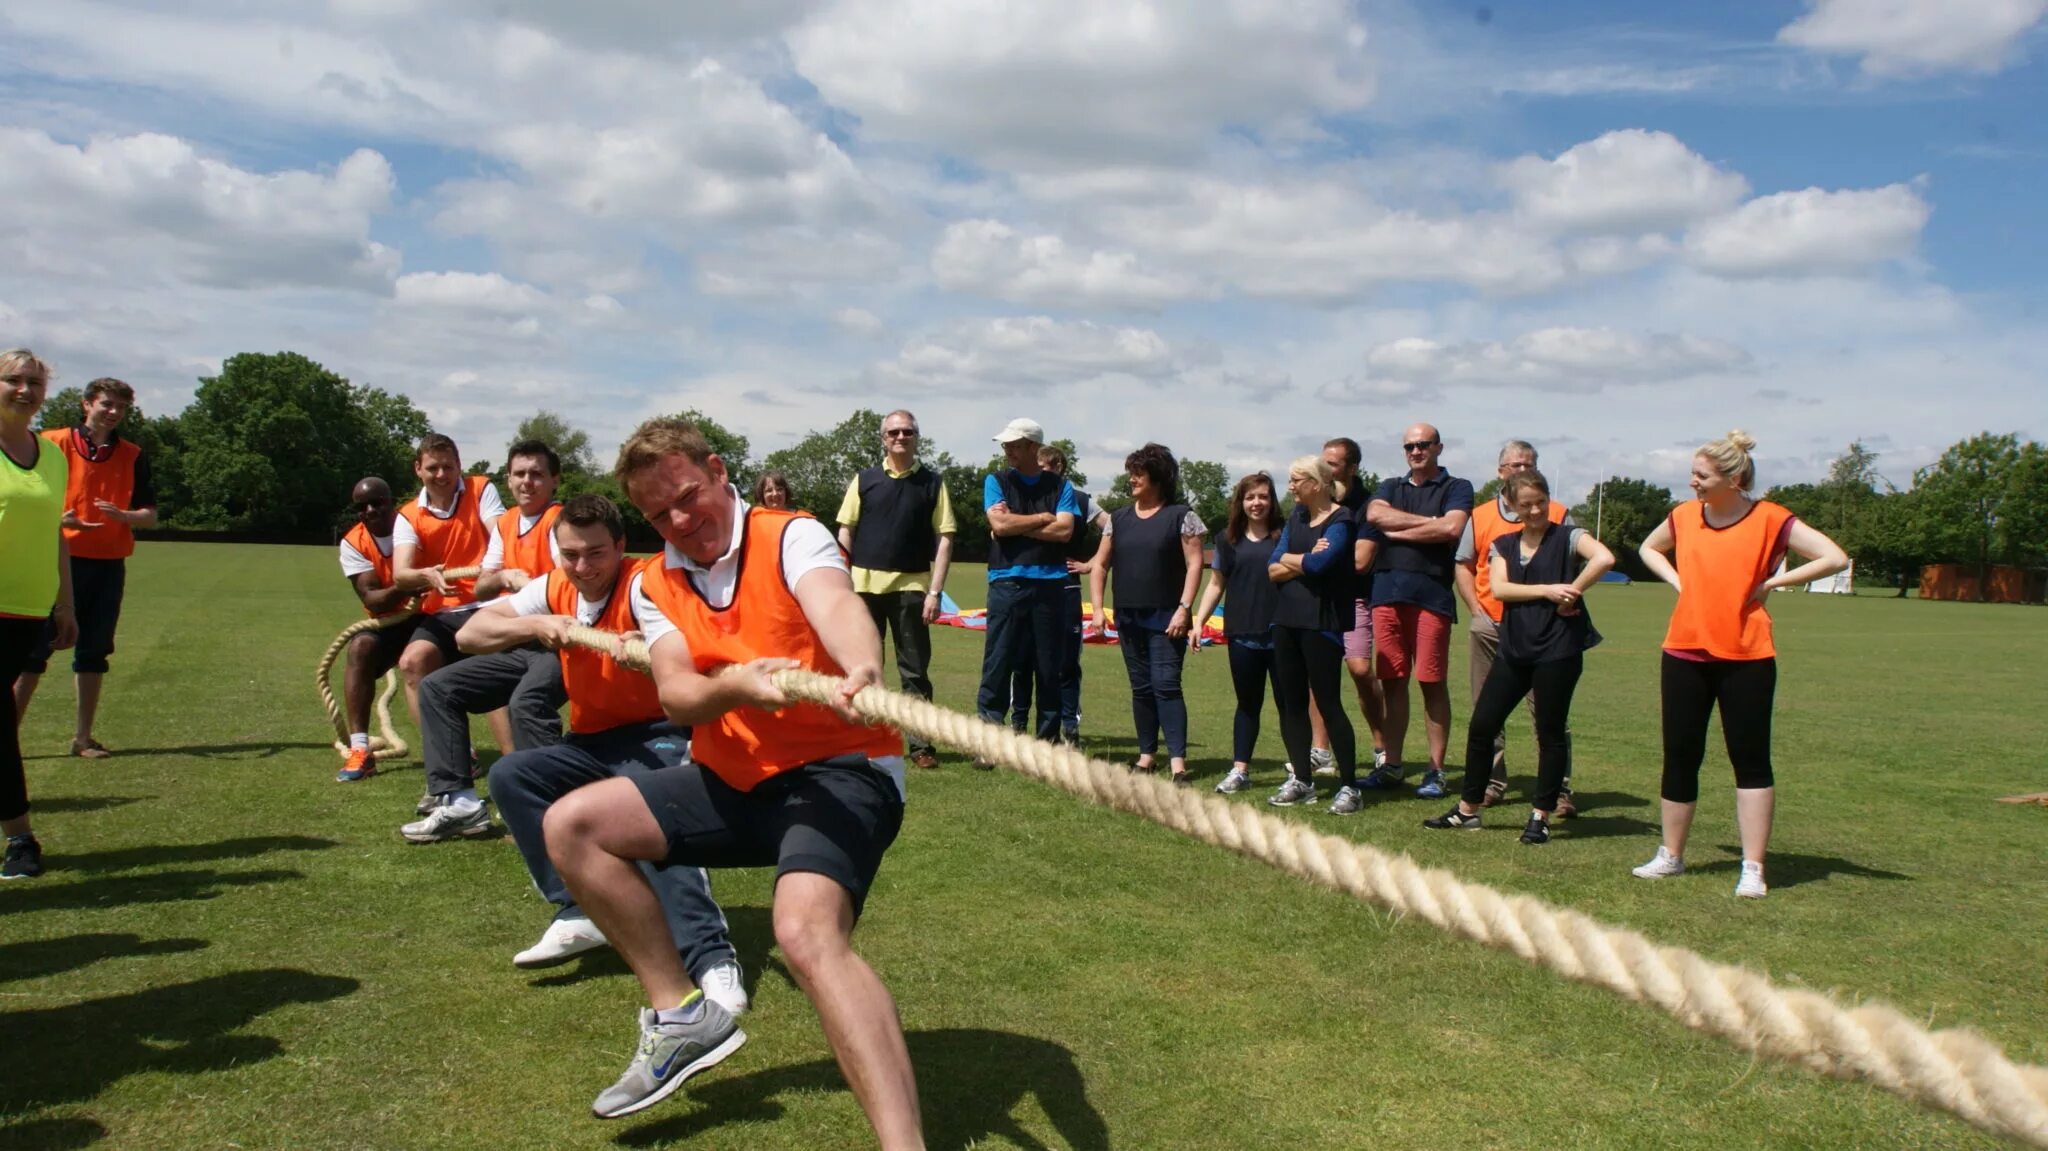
{"points": [[1751, 885], [563, 940], [1322, 760], [722, 984], [1663, 866]]}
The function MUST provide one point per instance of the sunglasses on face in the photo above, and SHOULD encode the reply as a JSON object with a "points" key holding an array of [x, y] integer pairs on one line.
{"points": [[373, 505], [899, 433], [1419, 446]]}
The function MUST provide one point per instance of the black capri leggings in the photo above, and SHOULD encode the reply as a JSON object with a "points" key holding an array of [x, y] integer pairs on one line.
{"points": [[1744, 689], [18, 641], [1307, 661], [1251, 667], [1553, 683]]}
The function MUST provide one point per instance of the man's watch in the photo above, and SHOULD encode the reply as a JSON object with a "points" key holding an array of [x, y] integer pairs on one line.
{"points": [[1187, 607]]}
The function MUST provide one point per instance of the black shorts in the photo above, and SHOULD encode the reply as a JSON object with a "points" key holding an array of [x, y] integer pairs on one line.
{"points": [[834, 818], [97, 587], [440, 631], [384, 646]]}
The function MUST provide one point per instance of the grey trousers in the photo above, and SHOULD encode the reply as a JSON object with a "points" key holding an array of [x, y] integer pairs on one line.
{"points": [[525, 680]]}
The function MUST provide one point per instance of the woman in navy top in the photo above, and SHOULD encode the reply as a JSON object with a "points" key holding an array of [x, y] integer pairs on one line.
{"points": [[1313, 565], [1544, 634], [1249, 596]]}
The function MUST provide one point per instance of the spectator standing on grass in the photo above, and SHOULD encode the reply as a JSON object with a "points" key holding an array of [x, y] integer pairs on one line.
{"points": [[896, 523], [1539, 575], [524, 681], [1313, 562], [771, 491], [1031, 517], [1421, 513], [108, 495], [1718, 649], [1342, 454], [739, 594], [1492, 520], [1083, 552], [35, 580], [1248, 595], [1155, 553]]}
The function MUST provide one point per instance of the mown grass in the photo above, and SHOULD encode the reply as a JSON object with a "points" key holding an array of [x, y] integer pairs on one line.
{"points": [[232, 950]]}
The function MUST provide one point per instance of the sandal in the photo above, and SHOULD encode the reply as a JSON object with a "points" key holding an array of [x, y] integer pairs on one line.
{"points": [[89, 749]]}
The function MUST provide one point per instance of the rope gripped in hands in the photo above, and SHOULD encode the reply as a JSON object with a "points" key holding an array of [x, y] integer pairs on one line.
{"points": [[386, 743]]}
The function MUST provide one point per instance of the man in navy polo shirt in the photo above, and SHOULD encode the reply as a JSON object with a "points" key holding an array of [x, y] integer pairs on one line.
{"points": [[1031, 516], [1414, 602]]}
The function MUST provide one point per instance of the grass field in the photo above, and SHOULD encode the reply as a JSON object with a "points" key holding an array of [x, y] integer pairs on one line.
{"points": [[231, 950]]}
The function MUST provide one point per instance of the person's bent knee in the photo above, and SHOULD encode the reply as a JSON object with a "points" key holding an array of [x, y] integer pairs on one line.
{"points": [[569, 824], [1753, 777], [808, 934]]}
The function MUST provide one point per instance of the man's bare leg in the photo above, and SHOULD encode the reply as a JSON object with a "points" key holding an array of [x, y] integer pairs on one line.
{"points": [[90, 684], [1436, 713], [596, 835], [1394, 735]]}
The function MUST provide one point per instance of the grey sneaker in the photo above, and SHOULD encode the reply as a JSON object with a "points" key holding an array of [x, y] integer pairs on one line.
{"points": [[668, 1054], [1292, 792], [449, 822], [1322, 760], [1348, 801], [1234, 782], [428, 802]]}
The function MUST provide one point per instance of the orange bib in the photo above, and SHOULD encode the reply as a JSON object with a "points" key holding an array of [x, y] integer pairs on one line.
{"points": [[359, 537], [458, 541], [529, 551], [602, 694], [111, 479], [747, 745], [1718, 569], [1489, 525]]}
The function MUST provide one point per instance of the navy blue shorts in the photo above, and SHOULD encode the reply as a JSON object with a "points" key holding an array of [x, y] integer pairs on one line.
{"points": [[97, 587]]}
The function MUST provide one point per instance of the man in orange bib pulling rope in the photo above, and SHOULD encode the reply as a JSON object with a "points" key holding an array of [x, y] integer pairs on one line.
{"points": [[739, 594]]}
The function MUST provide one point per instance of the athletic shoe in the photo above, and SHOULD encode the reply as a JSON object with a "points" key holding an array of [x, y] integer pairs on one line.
{"points": [[1348, 801], [723, 984], [1379, 757], [1293, 792], [359, 765], [1234, 782], [1565, 807], [1071, 737], [1496, 790], [1663, 865], [1322, 760], [24, 858], [449, 821], [668, 1054], [1383, 777], [1183, 778], [1536, 831], [1432, 786], [1453, 820], [563, 940], [925, 758], [428, 802], [1751, 885]]}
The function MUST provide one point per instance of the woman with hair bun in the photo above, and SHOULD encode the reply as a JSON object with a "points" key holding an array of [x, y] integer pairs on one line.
{"points": [[1718, 649]]}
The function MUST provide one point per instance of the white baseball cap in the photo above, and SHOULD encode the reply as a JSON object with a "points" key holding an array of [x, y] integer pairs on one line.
{"points": [[1021, 429]]}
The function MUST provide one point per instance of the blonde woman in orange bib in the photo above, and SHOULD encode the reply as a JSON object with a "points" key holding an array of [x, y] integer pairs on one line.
{"points": [[1720, 551]]}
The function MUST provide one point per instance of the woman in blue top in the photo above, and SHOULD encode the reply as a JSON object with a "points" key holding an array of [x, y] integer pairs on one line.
{"points": [[1155, 552], [1313, 564], [1249, 596]]}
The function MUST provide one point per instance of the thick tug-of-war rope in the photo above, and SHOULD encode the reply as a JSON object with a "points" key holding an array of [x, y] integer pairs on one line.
{"points": [[385, 744]]}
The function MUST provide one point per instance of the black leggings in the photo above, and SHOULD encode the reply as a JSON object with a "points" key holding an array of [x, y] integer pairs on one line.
{"points": [[1306, 661], [1250, 669], [1553, 682], [19, 639], [1744, 689]]}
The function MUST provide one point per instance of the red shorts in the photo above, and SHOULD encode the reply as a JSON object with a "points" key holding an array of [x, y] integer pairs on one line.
{"points": [[1413, 642]]}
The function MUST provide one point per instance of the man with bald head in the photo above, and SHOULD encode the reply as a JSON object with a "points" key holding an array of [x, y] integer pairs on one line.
{"points": [[366, 562], [1422, 514]]}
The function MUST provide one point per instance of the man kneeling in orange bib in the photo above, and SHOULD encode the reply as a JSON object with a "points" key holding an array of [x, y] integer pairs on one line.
{"points": [[739, 594]]}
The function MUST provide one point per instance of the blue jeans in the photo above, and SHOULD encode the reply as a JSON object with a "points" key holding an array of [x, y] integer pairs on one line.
{"points": [[1024, 618], [1070, 670], [1153, 660], [525, 783]]}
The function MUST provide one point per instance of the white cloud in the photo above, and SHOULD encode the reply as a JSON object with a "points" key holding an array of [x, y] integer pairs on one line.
{"points": [[1551, 360], [470, 291], [1083, 81], [1918, 37], [1027, 355], [859, 322], [1811, 232], [1625, 181], [990, 258], [128, 206]]}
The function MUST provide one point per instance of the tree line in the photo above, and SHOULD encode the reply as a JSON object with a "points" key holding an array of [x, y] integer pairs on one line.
{"points": [[272, 444]]}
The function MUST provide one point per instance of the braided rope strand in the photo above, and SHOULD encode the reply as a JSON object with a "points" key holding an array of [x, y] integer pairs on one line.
{"points": [[386, 744]]}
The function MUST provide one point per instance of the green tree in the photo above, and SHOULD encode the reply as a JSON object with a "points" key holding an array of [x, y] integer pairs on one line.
{"points": [[2023, 517], [819, 465], [1623, 512], [158, 437], [729, 446], [1963, 496], [274, 443], [571, 444]]}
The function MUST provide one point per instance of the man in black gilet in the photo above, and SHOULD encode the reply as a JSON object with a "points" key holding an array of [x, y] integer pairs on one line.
{"points": [[897, 523], [1031, 517]]}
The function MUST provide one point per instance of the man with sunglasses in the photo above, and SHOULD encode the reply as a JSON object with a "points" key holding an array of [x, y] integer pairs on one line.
{"points": [[1414, 602], [366, 563], [897, 524]]}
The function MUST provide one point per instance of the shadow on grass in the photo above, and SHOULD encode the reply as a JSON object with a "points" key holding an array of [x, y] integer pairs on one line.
{"points": [[51, 1134], [750, 929], [1603, 826], [43, 806], [129, 858], [81, 1050], [256, 750], [40, 957], [1790, 869], [99, 894], [970, 1083]]}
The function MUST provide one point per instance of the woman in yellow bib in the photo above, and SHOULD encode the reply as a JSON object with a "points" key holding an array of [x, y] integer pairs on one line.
{"points": [[35, 582]]}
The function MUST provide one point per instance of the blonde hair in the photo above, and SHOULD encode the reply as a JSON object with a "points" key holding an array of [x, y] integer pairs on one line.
{"points": [[656, 440], [22, 362], [1316, 468], [1730, 457]]}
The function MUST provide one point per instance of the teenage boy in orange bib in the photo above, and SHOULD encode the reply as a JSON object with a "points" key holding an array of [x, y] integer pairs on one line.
{"points": [[109, 495], [739, 594]]}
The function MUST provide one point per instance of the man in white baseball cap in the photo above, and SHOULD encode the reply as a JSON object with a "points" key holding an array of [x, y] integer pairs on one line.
{"points": [[1031, 514]]}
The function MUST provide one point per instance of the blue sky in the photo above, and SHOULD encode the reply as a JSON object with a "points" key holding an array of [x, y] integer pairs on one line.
{"points": [[1615, 229]]}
